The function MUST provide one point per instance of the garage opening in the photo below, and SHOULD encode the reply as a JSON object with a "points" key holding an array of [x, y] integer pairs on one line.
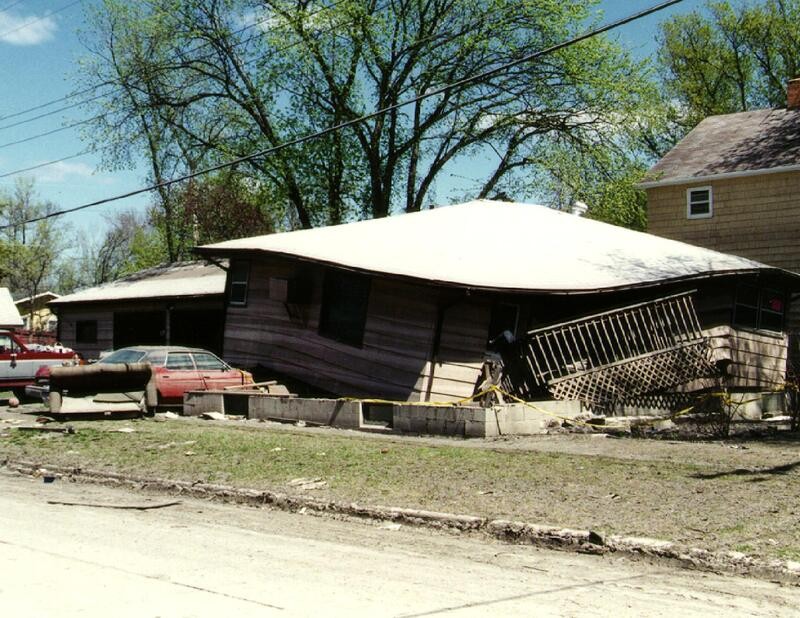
{"points": [[197, 328]]}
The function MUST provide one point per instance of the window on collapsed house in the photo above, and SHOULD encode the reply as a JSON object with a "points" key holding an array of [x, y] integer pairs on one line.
{"points": [[238, 278], [759, 308], [343, 313], [86, 331], [699, 203]]}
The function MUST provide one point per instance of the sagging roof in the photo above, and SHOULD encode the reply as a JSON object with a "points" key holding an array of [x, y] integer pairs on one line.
{"points": [[497, 246], [9, 315], [766, 140], [177, 280], [46, 296]]}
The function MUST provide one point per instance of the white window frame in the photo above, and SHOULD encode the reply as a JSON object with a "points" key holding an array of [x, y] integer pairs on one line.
{"points": [[705, 215]]}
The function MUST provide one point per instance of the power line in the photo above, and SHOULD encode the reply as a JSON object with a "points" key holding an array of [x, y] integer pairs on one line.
{"points": [[46, 164], [10, 6], [85, 121], [38, 19], [109, 83], [343, 125]]}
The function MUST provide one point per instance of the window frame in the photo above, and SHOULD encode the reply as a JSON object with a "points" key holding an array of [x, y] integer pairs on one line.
{"points": [[329, 326], [703, 215], [243, 282], [762, 293]]}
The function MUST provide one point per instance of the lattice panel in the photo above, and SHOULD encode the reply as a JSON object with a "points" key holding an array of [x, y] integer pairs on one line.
{"points": [[624, 381]]}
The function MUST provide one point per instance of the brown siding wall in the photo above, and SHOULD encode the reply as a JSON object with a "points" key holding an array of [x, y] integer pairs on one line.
{"points": [[395, 358], [756, 360]]}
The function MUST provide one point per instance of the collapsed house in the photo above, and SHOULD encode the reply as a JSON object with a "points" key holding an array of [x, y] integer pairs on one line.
{"points": [[172, 304], [417, 307]]}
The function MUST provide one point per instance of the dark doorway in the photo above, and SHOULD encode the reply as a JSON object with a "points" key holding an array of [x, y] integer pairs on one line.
{"points": [[197, 328], [139, 328]]}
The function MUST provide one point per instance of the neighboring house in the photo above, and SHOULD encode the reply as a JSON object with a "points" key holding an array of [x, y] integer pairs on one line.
{"points": [[405, 307], [733, 185], [36, 314], [9, 314], [176, 304]]}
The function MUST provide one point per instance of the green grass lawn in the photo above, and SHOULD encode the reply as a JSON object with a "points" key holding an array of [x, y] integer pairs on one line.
{"points": [[707, 505]]}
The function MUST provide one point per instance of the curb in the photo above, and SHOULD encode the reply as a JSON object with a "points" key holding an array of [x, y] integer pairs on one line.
{"points": [[515, 532]]}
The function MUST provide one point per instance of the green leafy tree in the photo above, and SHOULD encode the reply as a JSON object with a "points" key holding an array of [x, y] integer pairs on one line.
{"points": [[190, 85], [31, 250], [731, 57]]}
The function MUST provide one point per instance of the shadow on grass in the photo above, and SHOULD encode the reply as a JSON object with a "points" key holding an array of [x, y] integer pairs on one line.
{"points": [[760, 472]]}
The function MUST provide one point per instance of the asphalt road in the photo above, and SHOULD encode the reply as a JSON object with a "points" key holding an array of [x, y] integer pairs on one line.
{"points": [[206, 559]]}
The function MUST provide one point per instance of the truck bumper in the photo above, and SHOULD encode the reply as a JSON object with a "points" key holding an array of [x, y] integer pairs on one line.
{"points": [[37, 392]]}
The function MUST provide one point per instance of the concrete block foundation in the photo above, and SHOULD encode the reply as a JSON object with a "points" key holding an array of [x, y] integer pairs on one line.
{"points": [[463, 421]]}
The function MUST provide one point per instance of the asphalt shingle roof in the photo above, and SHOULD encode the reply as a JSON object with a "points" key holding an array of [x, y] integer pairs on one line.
{"points": [[732, 143]]}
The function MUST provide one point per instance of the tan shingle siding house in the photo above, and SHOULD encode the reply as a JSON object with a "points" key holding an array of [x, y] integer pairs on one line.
{"points": [[746, 168]]}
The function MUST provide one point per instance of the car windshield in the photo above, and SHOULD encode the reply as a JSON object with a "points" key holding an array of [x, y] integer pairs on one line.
{"points": [[124, 355]]}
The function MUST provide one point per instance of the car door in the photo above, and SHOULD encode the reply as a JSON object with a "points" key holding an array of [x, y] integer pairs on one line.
{"points": [[177, 376], [215, 372]]}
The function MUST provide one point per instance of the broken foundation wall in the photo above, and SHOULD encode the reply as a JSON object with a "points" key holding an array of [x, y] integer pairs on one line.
{"points": [[469, 421]]}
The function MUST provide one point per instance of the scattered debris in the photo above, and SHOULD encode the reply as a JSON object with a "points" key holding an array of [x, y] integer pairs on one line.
{"points": [[13, 402], [44, 429], [277, 449], [189, 453], [135, 507], [305, 484], [390, 526], [300, 423], [384, 451], [213, 416], [44, 420], [122, 430]]}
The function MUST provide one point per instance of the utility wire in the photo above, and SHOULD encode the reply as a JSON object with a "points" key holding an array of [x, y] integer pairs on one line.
{"points": [[342, 125], [38, 19], [112, 82], [10, 6], [46, 164], [106, 114], [85, 121]]}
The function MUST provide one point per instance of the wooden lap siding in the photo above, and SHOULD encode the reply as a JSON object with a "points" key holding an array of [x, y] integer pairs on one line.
{"points": [[394, 359], [68, 319], [756, 217]]}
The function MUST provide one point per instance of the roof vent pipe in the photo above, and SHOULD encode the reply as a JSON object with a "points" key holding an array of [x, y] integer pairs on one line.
{"points": [[579, 208], [793, 93]]}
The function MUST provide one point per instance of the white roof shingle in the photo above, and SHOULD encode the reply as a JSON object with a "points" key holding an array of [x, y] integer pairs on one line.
{"points": [[182, 279]]}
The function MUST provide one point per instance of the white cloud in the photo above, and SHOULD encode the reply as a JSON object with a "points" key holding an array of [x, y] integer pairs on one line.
{"points": [[26, 30], [63, 170]]}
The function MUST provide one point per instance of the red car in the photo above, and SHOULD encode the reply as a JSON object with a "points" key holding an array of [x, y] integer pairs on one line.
{"points": [[176, 370]]}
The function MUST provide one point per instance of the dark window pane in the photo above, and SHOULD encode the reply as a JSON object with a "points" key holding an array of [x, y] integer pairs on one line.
{"points": [[86, 331], [771, 321], [239, 274], [746, 316], [344, 306], [747, 295]]}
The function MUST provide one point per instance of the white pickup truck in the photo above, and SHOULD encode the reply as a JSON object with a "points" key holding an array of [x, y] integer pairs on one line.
{"points": [[20, 362]]}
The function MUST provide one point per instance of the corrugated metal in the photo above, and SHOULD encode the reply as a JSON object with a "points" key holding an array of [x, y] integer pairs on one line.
{"points": [[173, 280], [498, 245]]}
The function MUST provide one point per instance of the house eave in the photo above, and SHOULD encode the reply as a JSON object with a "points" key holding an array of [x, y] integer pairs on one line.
{"points": [[687, 180], [250, 253]]}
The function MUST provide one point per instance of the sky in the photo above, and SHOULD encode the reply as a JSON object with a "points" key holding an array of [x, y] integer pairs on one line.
{"points": [[40, 50]]}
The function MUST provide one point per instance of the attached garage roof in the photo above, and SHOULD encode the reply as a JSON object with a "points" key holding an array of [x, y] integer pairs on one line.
{"points": [[498, 246], [182, 279]]}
